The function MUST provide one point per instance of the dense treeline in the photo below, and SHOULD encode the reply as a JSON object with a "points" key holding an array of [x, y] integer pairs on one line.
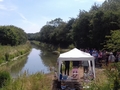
{"points": [[89, 29], [33, 36], [11, 35]]}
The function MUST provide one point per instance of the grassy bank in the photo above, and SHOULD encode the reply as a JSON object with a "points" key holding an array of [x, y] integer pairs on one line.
{"points": [[36, 81], [7, 53]]}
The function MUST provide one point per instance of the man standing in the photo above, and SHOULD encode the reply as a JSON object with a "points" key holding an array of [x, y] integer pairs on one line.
{"points": [[67, 66]]}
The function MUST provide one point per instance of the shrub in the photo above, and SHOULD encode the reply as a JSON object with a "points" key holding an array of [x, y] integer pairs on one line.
{"points": [[4, 78], [112, 81], [7, 56], [71, 46]]}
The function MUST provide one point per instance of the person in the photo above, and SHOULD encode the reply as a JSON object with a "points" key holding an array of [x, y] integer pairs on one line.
{"points": [[85, 66], [99, 56], [95, 54], [111, 58], [118, 56], [67, 66], [76, 63], [106, 59]]}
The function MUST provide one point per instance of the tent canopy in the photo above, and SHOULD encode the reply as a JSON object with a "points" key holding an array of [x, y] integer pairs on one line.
{"points": [[76, 55]]}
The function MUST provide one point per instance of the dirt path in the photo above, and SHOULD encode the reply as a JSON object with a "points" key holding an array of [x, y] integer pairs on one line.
{"points": [[70, 85], [81, 79]]}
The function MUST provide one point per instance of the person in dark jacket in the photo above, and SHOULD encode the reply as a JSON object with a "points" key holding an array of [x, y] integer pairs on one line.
{"points": [[67, 67], [76, 63]]}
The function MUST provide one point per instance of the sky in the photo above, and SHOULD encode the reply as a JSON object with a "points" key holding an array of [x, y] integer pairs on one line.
{"points": [[32, 15]]}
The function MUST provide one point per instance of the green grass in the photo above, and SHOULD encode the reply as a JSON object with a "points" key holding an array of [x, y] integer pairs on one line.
{"points": [[100, 82], [108, 79], [36, 81], [9, 52]]}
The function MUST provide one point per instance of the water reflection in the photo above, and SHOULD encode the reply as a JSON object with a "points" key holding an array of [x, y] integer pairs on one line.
{"points": [[38, 60], [48, 58], [17, 66], [34, 63]]}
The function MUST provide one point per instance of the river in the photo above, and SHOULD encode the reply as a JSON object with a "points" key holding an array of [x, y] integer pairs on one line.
{"points": [[38, 60]]}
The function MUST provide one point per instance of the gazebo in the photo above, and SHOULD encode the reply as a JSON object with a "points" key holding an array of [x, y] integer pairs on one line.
{"points": [[75, 55]]}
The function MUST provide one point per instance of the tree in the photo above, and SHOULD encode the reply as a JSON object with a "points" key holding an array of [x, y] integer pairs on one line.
{"points": [[56, 22], [81, 30], [11, 35], [113, 41], [45, 33]]}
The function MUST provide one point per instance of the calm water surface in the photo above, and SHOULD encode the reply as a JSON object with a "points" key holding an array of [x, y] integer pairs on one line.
{"points": [[38, 60]]}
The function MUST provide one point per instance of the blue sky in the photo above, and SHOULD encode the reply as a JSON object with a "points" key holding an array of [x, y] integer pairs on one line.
{"points": [[31, 15]]}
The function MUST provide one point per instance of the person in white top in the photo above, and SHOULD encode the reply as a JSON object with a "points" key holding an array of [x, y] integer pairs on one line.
{"points": [[111, 58], [85, 66]]}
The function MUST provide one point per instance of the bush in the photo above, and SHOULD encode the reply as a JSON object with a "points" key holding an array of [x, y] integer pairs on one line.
{"points": [[4, 78], [71, 46], [112, 81], [7, 56]]}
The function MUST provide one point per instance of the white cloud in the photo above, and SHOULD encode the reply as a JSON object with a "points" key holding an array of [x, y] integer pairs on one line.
{"points": [[22, 16], [28, 26]]}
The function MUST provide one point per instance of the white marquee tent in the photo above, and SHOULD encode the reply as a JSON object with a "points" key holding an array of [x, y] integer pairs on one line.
{"points": [[76, 55]]}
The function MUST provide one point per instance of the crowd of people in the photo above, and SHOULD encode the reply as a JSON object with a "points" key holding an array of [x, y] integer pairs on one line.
{"points": [[105, 56], [101, 57]]}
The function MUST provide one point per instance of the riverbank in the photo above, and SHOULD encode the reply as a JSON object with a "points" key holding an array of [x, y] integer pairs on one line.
{"points": [[36, 81], [9, 53], [42, 81], [49, 47]]}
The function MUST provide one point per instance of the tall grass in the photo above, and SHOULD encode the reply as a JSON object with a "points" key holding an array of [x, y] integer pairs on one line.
{"points": [[100, 82], [109, 79], [36, 81], [9, 52]]}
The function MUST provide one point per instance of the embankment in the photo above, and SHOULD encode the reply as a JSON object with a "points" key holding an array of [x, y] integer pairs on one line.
{"points": [[8, 53]]}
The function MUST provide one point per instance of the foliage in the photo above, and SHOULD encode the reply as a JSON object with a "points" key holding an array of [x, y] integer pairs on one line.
{"points": [[112, 80], [33, 36], [7, 53], [114, 76], [71, 46], [81, 30], [4, 78], [36, 81], [56, 32], [113, 41], [88, 30], [11, 35]]}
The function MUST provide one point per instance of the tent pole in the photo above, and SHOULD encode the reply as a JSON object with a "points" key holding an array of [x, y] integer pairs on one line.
{"points": [[93, 63], [89, 65], [59, 67]]}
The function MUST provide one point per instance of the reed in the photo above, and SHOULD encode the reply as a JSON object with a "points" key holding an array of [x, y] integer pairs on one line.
{"points": [[38, 81], [100, 82], [9, 52], [109, 79]]}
